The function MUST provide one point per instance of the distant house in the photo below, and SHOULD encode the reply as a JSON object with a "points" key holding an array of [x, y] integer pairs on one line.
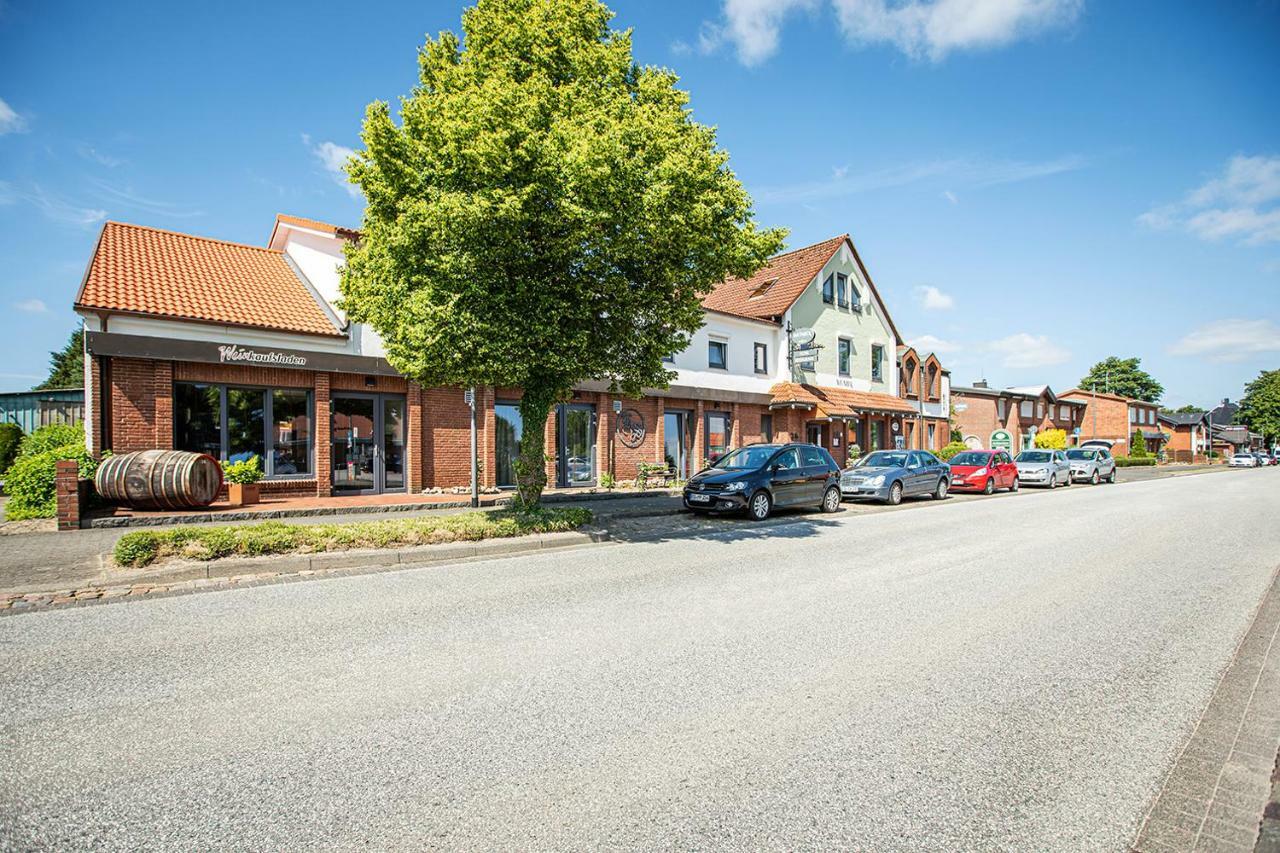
{"points": [[988, 417], [1189, 435], [33, 409]]}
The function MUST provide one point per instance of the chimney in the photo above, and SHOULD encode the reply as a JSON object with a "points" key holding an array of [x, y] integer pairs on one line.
{"points": [[981, 383]]}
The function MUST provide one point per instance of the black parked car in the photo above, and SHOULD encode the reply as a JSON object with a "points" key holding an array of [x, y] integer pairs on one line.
{"points": [[759, 477]]}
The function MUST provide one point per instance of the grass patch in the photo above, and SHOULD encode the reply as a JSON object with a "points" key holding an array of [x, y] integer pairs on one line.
{"points": [[143, 547]]}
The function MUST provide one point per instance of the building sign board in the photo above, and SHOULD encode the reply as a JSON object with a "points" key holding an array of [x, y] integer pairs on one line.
{"points": [[212, 352], [1002, 439]]}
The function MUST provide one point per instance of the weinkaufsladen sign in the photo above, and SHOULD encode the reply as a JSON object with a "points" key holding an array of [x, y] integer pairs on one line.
{"points": [[210, 352]]}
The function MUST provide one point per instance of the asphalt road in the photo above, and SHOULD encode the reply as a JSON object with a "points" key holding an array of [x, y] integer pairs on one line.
{"points": [[1012, 674]]}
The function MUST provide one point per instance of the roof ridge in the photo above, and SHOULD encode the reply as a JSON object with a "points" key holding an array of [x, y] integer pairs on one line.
{"points": [[810, 246], [200, 237]]}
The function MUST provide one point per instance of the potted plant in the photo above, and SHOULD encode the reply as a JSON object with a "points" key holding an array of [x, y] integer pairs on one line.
{"points": [[242, 480]]}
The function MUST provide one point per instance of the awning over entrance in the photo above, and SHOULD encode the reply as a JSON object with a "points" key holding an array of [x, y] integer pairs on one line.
{"points": [[836, 403]]}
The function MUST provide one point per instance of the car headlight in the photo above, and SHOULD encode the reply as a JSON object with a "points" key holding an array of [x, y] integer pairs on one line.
{"points": [[876, 481], [735, 486], [981, 472]]}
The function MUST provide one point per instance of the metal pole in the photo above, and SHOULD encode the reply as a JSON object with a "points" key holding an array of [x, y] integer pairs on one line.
{"points": [[475, 459]]}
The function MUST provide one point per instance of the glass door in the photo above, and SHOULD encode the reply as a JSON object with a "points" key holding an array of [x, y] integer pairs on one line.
{"points": [[676, 442], [576, 459], [354, 445], [368, 443], [507, 429]]}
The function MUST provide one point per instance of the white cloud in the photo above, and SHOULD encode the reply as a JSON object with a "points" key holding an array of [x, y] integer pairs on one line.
{"points": [[126, 196], [52, 205], [950, 196], [1242, 203], [10, 121], [954, 172], [839, 172], [933, 299], [1229, 340], [929, 343], [919, 28], [88, 152], [32, 306], [1027, 350], [934, 28], [333, 157]]}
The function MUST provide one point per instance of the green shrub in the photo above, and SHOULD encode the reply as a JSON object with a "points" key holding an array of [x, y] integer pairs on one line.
{"points": [[952, 449], [1138, 447], [143, 547], [1052, 439], [244, 472], [32, 481], [10, 439], [1135, 461], [51, 437]]}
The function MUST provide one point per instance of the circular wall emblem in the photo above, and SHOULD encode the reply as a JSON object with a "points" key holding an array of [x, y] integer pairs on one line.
{"points": [[631, 429]]}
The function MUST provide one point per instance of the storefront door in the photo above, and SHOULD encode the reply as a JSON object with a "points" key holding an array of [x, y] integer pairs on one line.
{"points": [[507, 427], [368, 443], [677, 441], [576, 445]]}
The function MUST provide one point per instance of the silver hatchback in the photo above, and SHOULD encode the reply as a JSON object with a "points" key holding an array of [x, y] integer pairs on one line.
{"points": [[1091, 465], [1048, 468]]}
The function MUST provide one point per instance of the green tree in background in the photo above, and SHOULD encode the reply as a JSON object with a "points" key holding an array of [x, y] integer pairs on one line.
{"points": [[66, 366], [546, 212], [1183, 410], [1260, 406], [1123, 376]]}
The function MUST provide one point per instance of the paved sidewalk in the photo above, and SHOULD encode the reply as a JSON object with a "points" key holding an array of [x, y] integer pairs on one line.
{"points": [[1214, 797]]}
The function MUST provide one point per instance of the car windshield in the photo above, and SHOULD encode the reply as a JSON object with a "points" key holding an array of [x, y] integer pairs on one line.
{"points": [[1034, 456], [1082, 454], [883, 459], [969, 457], [746, 457]]}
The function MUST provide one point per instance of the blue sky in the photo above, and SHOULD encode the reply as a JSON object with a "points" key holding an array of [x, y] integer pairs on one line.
{"points": [[1034, 184]]}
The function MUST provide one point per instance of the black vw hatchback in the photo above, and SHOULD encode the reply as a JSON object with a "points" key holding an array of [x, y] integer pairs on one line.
{"points": [[758, 477]]}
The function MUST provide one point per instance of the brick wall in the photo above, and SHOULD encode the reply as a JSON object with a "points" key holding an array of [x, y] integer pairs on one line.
{"points": [[323, 436], [446, 440], [979, 417], [133, 405], [1111, 422]]}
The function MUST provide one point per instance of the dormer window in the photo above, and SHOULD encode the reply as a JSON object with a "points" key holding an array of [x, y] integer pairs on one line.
{"points": [[842, 290]]}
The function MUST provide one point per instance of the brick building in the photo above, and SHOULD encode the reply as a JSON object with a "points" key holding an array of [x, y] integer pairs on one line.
{"points": [[1119, 421], [1189, 435], [238, 350], [985, 414]]}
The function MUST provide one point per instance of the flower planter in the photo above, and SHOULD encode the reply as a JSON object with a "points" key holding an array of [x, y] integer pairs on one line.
{"points": [[242, 494]]}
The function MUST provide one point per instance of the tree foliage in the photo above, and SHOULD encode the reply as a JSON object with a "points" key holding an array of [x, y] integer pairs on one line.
{"points": [[546, 212], [1123, 376], [1138, 446], [1260, 406], [1052, 439], [66, 366], [1188, 409]]}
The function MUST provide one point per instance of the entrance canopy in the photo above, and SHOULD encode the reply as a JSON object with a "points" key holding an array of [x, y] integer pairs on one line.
{"points": [[828, 403]]}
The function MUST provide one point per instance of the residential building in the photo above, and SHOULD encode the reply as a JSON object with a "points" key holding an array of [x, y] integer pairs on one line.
{"points": [[1010, 418], [1189, 435], [237, 350], [1119, 421]]}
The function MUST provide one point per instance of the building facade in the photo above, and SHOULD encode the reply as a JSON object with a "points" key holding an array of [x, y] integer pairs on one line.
{"points": [[1189, 435], [237, 350], [1010, 418], [1119, 420]]}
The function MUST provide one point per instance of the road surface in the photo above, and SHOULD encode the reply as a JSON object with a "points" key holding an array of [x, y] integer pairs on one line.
{"points": [[1014, 674]]}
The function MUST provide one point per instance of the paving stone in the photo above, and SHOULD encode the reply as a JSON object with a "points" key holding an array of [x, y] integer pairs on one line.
{"points": [[1209, 844], [1232, 831], [1165, 833]]}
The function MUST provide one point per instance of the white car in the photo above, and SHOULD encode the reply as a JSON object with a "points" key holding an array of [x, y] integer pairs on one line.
{"points": [[1243, 460]]}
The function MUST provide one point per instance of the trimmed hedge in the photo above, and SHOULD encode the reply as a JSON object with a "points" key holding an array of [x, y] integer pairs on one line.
{"points": [[143, 547], [10, 439], [1135, 461], [31, 481]]}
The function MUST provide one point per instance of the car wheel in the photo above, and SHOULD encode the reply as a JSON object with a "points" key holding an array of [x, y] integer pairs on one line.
{"points": [[1111, 478], [940, 493], [1093, 481], [990, 487], [1015, 486], [760, 506], [831, 500], [1053, 481], [895, 494]]}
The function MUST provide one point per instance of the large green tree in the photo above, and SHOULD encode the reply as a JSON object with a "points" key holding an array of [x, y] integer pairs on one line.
{"points": [[1123, 376], [545, 212], [66, 366], [1260, 406]]}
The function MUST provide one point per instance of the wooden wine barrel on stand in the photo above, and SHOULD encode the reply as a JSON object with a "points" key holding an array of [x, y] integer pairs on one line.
{"points": [[159, 479]]}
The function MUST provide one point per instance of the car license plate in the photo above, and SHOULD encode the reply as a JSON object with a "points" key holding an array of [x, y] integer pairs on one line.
{"points": [[699, 499]]}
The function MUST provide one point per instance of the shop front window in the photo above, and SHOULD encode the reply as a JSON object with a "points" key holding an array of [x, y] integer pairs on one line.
{"points": [[233, 424]]}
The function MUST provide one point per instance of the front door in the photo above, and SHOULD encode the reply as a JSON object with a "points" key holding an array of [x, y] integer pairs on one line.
{"points": [[676, 442], [368, 443], [576, 439]]}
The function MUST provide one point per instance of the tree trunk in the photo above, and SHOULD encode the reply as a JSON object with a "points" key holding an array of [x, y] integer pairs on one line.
{"points": [[531, 465]]}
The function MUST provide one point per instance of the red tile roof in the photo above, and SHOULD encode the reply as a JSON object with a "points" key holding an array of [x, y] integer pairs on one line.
{"points": [[772, 290], [314, 224], [140, 270], [839, 402]]}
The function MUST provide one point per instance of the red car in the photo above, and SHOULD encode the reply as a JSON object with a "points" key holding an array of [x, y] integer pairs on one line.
{"points": [[983, 471]]}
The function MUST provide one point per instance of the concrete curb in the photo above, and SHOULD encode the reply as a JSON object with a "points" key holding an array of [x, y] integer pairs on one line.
{"points": [[190, 576]]}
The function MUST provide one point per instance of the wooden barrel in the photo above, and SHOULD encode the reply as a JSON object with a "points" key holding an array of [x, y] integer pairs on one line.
{"points": [[159, 479]]}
